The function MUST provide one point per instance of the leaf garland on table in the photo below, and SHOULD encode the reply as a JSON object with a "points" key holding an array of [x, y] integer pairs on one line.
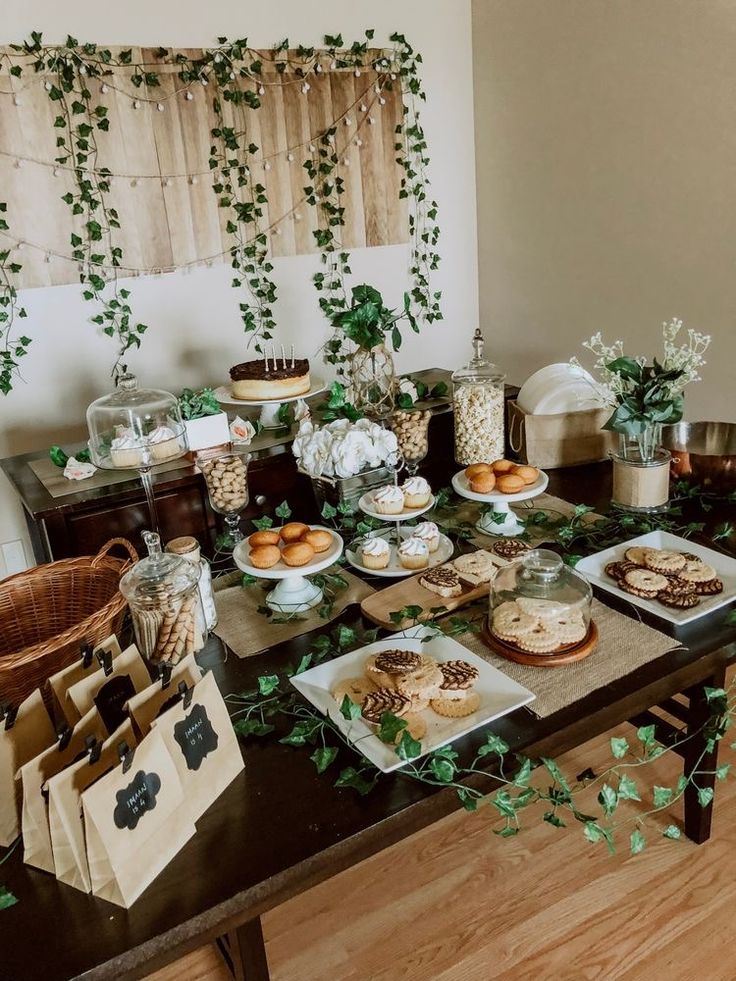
{"points": [[7, 898]]}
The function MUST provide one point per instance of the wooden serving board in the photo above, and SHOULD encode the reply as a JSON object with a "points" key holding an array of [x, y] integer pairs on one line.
{"points": [[408, 592]]}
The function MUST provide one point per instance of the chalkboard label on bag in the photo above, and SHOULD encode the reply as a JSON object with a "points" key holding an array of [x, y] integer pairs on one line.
{"points": [[110, 700], [196, 737], [136, 799]]}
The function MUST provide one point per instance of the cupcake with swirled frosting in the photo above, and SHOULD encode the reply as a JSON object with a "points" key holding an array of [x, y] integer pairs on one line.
{"points": [[413, 553], [427, 531], [375, 553], [388, 500], [416, 492]]}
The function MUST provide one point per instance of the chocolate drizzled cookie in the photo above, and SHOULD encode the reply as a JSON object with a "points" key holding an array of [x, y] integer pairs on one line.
{"points": [[382, 700], [396, 661], [457, 674]]}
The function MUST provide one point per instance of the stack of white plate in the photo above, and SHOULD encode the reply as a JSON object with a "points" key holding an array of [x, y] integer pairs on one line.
{"points": [[558, 388]]}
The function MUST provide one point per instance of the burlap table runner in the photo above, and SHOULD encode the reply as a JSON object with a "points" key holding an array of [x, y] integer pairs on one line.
{"points": [[624, 645], [247, 632]]}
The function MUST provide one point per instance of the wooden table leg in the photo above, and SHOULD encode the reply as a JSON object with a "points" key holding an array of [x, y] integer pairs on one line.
{"points": [[248, 952], [698, 818]]}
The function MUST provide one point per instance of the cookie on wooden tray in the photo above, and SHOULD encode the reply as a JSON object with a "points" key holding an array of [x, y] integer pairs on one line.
{"points": [[355, 688], [644, 583], [442, 580], [664, 560], [475, 567], [509, 621], [382, 700], [510, 548], [454, 708]]}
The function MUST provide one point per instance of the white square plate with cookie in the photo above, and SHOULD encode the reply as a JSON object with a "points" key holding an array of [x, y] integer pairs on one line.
{"points": [[593, 568], [497, 694]]}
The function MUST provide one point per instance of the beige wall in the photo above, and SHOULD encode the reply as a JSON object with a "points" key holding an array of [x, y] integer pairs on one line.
{"points": [[195, 332], [606, 178]]}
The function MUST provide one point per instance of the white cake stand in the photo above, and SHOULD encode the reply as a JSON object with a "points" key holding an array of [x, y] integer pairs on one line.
{"points": [[492, 523], [293, 593], [269, 417], [394, 569]]}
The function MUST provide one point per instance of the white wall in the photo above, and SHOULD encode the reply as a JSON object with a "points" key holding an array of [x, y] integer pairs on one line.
{"points": [[195, 332]]}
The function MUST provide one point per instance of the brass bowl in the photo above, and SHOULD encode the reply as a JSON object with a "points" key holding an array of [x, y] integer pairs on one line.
{"points": [[703, 452]]}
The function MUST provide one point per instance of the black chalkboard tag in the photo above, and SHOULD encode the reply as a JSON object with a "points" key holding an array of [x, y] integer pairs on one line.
{"points": [[112, 698], [105, 658], [87, 653], [94, 747], [10, 713], [135, 800], [165, 670], [64, 735], [196, 737], [125, 755]]}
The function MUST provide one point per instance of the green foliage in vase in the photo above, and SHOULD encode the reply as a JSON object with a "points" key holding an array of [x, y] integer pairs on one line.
{"points": [[367, 322], [198, 404]]}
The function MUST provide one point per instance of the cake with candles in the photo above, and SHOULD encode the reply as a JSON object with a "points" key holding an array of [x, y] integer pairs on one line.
{"points": [[270, 378]]}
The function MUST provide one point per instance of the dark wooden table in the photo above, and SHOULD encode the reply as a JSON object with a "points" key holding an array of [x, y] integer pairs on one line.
{"points": [[281, 828]]}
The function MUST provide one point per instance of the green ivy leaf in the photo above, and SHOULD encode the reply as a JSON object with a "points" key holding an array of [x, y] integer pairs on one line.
{"points": [[627, 789], [493, 744], [268, 683], [350, 777], [7, 899], [646, 736], [252, 727], [551, 818], [637, 842], [556, 774], [283, 511], [619, 746], [349, 710], [409, 747], [608, 799], [661, 796], [468, 799], [672, 831], [442, 770], [58, 457], [722, 771], [323, 757], [705, 796], [390, 727], [262, 524], [344, 636], [328, 511]]}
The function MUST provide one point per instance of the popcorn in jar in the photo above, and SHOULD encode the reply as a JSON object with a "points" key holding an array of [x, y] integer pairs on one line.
{"points": [[479, 409]]}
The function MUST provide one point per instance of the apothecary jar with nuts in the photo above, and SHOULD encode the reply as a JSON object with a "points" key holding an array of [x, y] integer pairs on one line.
{"points": [[479, 409], [226, 478], [410, 426]]}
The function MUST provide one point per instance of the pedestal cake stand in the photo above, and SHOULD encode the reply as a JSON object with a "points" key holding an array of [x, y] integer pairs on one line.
{"points": [[269, 417], [500, 520]]}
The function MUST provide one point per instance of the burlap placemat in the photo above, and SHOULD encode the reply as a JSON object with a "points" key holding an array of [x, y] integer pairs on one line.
{"points": [[624, 645], [247, 632]]}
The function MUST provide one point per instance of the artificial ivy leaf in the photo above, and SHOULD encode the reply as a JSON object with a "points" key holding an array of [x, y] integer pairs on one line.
{"points": [[349, 710], [58, 457], [268, 683], [328, 511], [304, 731], [283, 511], [637, 841], [521, 779], [350, 777], [661, 796], [390, 727], [493, 744], [556, 774], [252, 727], [468, 799], [627, 789], [722, 771], [619, 746], [646, 736], [344, 636], [409, 747], [508, 831], [551, 818], [323, 757], [608, 799], [262, 524], [672, 831], [705, 796], [443, 770], [7, 899], [503, 803]]}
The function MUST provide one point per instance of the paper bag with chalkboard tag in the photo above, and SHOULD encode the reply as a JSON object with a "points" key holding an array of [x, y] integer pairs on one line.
{"points": [[70, 746], [112, 686], [136, 821], [91, 658], [65, 805], [164, 692], [201, 739], [25, 731]]}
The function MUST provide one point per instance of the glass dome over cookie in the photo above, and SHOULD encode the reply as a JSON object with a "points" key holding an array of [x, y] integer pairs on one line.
{"points": [[539, 605], [135, 428]]}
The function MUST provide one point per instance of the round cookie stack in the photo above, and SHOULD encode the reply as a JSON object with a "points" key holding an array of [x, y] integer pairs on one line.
{"points": [[538, 626], [675, 579]]}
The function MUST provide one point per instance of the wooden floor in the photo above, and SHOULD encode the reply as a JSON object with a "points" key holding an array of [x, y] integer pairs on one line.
{"points": [[456, 903]]}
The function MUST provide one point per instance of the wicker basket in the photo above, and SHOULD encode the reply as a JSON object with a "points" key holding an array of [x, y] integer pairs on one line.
{"points": [[47, 613]]}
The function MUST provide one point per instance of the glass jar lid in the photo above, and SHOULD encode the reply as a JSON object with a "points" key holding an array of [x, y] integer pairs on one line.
{"points": [[478, 369], [159, 577], [540, 574]]}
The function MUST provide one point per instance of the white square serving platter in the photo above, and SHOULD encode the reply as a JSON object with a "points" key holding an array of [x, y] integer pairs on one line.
{"points": [[499, 695], [592, 568]]}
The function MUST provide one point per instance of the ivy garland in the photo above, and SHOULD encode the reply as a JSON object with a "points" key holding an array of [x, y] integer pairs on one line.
{"points": [[10, 349], [82, 117]]}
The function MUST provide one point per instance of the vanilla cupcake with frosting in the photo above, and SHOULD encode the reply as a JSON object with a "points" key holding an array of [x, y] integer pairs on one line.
{"points": [[416, 492], [388, 500], [375, 553], [427, 531], [163, 443], [126, 450], [414, 553]]}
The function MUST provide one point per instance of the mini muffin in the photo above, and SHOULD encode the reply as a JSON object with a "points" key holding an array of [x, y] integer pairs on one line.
{"points": [[388, 500], [293, 531], [413, 553], [297, 553], [416, 492], [475, 469], [502, 466], [318, 538], [375, 553], [427, 531], [264, 556], [484, 483], [263, 538], [510, 483], [528, 474]]}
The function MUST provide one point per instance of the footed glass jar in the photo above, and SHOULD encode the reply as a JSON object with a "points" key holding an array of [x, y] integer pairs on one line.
{"points": [[478, 399], [539, 605]]}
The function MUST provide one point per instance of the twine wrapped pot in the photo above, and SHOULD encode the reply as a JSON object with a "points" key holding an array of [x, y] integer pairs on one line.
{"points": [[48, 612]]}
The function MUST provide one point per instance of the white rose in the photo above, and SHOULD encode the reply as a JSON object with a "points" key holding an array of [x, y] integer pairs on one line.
{"points": [[241, 430], [301, 410]]}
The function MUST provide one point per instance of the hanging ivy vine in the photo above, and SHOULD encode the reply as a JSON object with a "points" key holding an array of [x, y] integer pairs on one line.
{"points": [[11, 349], [82, 117]]}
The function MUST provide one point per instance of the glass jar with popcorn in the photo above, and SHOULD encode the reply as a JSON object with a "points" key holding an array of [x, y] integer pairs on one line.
{"points": [[479, 409]]}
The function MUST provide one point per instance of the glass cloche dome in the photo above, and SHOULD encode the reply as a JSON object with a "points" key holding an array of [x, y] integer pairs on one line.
{"points": [[135, 428], [538, 605]]}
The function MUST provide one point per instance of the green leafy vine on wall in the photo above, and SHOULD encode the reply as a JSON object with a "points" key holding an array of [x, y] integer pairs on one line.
{"points": [[11, 349], [82, 117]]}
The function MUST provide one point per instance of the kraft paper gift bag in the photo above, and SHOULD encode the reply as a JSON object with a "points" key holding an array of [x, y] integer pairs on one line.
{"points": [[69, 746], [65, 806], [111, 687], [23, 735], [200, 737], [136, 821], [152, 701], [90, 659]]}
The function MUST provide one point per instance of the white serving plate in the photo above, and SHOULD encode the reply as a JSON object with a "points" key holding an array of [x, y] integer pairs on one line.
{"points": [[462, 485], [366, 505], [394, 569], [592, 568], [224, 395], [499, 695], [321, 560]]}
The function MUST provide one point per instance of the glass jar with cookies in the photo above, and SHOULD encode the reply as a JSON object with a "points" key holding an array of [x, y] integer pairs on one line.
{"points": [[539, 606]]}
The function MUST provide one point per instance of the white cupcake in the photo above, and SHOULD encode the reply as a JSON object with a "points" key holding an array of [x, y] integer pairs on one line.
{"points": [[427, 531], [414, 553], [126, 451], [375, 553], [164, 444], [416, 492], [388, 500]]}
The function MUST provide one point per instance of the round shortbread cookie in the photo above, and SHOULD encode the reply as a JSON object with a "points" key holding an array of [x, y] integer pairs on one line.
{"points": [[570, 627], [540, 608], [697, 571], [510, 621], [381, 679], [423, 682], [636, 554], [644, 582], [709, 588], [664, 560], [542, 640], [355, 688], [453, 708], [415, 726], [679, 587]]}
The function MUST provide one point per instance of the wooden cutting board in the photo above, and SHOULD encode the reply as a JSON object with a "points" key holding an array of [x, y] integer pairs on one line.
{"points": [[378, 606]]}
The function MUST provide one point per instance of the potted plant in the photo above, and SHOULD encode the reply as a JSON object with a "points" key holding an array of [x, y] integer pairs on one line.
{"points": [[370, 325], [205, 422], [644, 397]]}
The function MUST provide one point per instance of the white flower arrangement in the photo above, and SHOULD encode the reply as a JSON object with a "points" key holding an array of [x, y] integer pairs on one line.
{"points": [[342, 448]]}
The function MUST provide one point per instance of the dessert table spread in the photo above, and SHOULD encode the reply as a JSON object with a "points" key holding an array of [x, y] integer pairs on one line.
{"points": [[280, 828]]}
